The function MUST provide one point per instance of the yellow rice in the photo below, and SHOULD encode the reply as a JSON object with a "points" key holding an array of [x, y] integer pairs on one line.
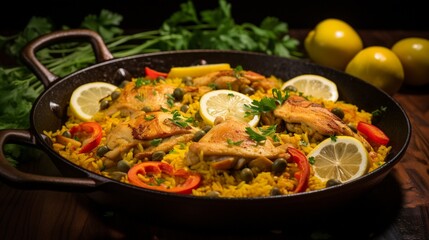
{"points": [[219, 181]]}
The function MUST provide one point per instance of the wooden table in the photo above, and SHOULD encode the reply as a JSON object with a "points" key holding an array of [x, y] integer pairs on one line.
{"points": [[398, 208]]}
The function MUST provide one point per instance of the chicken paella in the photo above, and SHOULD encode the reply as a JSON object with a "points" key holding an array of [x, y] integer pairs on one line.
{"points": [[221, 131]]}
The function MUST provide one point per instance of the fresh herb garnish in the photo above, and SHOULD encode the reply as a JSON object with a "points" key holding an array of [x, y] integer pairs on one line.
{"points": [[185, 29], [178, 119]]}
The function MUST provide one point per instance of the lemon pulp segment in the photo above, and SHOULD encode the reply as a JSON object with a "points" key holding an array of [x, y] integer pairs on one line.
{"points": [[314, 85], [225, 103]]}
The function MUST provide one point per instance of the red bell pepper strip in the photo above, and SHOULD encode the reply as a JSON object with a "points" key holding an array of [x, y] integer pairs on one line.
{"points": [[89, 134], [304, 168], [152, 168], [372, 133], [153, 74]]}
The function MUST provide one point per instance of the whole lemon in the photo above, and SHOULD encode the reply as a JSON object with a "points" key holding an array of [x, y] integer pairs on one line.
{"points": [[378, 66], [413, 53], [332, 43]]}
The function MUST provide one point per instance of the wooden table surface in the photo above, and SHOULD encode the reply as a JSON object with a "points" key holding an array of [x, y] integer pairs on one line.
{"points": [[398, 208]]}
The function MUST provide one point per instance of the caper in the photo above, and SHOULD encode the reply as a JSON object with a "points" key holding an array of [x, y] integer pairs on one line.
{"points": [[248, 90], [104, 104], [213, 194], [102, 150], [291, 88], [275, 191], [279, 166], [184, 108], [115, 94], [67, 134], [198, 135], [158, 155], [123, 166], [178, 94], [338, 112], [332, 182], [246, 174], [147, 109], [206, 128], [187, 81]]}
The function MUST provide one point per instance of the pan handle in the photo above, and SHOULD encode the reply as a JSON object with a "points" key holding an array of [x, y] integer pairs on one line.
{"points": [[101, 51], [23, 180]]}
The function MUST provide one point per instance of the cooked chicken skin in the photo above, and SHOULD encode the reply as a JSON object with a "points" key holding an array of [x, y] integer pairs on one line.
{"points": [[218, 142], [156, 125], [135, 99], [230, 79], [297, 109]]}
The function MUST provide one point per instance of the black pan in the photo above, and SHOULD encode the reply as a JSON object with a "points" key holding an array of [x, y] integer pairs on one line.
{"points": [[49, 113]]}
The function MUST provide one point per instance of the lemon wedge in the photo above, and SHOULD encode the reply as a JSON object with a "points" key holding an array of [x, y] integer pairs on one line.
{"points": [[84, 101], [314, 85], [224, 103], [343, 159], [196, 71]]}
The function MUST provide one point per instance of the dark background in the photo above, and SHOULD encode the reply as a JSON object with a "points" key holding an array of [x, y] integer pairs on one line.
{"points": [[363, 14]]}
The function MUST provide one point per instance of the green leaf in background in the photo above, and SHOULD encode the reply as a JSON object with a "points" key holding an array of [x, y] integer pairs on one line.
{"points": [[185, 29]]}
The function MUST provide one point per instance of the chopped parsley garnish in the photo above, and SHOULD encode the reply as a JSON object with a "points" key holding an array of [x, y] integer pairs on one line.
{"points": [[178, 119], [155, 142]]}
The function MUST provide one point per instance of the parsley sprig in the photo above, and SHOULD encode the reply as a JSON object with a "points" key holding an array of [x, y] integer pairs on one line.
{"points": [[185, 29]]}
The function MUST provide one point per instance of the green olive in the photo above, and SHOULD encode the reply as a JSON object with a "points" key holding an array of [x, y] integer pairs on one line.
{"points": [[279, 166], [123, 83], [102, 150], [117, 175], [178, 94], [246, 174], [184, 108], [104, 104], [123, 166], [158, 155], [291, 88], [115, 94], [206, 128], [213, 194], [198, 135], [147, 109], [332, 182], [67, 134], [338, 112], [248, 90], [275, 191], [187, 81]]}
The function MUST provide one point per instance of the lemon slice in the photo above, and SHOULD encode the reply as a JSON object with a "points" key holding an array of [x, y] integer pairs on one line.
{"points": [[343, 159], [84, 101], [196, 71], [224, 103], [314, 85]]}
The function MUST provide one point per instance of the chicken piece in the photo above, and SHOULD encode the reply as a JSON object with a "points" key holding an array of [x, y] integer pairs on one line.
{"points": [[119, 140], [159, 125], [145, 128], [231, 79], [135, 99], [229, 141], [297, 109]]}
